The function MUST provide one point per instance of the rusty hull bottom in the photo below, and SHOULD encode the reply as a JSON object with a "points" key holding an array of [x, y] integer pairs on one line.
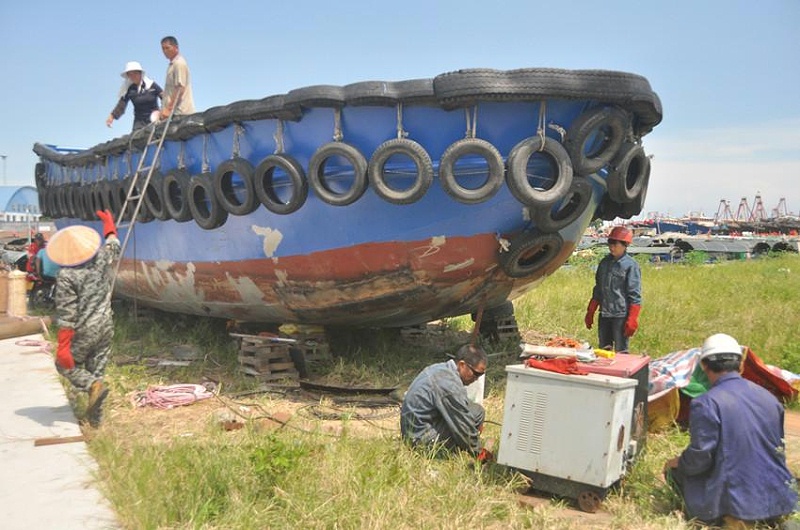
{"points": [[374, 284]]}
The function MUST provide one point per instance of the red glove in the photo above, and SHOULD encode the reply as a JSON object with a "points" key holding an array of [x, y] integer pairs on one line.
{"points": [[632, 324], [485, 456], [64, 350], [108, 222], [589, 318]]}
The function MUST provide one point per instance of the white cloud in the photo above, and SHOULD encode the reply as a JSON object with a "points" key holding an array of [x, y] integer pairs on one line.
{"points": [[695, 171]]}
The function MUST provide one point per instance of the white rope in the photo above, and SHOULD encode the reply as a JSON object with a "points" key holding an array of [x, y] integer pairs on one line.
{"points": [[472, 121], [540, 129], [205, 164], [237, 131], [181, 155], [337, 125], [400, 132], [278, 136]]}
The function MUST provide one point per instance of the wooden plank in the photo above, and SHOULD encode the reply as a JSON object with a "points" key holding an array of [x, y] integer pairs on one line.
{"points": [[57, 440]]}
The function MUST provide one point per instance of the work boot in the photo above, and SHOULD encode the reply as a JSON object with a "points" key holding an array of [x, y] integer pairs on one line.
{"points": [[97, 394]]}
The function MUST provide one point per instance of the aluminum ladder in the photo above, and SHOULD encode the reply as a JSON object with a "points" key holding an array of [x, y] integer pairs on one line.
{"points": [[137, 194]]}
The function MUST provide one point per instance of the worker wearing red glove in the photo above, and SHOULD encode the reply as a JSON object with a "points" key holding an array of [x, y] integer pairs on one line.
{"points": [[617, 293], [83, 307]]}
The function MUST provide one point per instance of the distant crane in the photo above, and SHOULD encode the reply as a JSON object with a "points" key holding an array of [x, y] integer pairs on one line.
{"points": [[743, 213], [781, 210], [758, 213], [723, 212]]}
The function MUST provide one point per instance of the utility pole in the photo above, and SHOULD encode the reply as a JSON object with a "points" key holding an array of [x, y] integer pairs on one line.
{"points": [[4, 168]]}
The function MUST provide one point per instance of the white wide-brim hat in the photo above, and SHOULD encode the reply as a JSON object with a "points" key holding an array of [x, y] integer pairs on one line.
{"points": [[74, 245], [132, 66]]}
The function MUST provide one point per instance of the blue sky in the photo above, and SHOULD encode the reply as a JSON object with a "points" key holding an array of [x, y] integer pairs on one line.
{"points": [[727, 72]]}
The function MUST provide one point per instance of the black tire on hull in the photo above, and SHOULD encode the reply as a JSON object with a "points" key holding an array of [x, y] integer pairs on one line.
{"points": [[529, 253], [609, 125], [206, 209], [471, 147], [154, 197], [518, 179], [175, 186], [244, 202], [266, 187], [629, 171], [319, 182], [379, 178], [575, 202]]}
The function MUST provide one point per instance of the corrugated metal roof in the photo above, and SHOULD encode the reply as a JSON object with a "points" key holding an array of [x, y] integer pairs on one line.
{"points": [[18, 195]]}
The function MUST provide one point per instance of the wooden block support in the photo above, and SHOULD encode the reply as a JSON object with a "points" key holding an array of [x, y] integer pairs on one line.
{"points": [[266, 358]]}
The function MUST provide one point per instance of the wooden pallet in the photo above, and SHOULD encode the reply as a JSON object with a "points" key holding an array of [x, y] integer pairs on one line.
{"points": [[266, 358]]}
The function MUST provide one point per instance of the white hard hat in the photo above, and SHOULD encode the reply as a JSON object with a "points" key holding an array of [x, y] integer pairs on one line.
{"points": [[132, 66], [720, 345]]}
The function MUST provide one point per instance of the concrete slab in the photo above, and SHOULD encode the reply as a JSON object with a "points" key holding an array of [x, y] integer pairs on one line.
{"points": [[49, 486]]}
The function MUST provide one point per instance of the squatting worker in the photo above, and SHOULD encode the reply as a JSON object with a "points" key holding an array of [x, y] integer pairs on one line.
{"points": [[140, 90], [617, 292], [83, 307], [436, 411], [735, 464], [178, 83]]}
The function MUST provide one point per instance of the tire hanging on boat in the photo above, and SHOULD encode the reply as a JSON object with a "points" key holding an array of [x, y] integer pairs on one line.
{"points": [[519, 182], [144, 215], [629, 171], [574, 204], [595, 137], [154, 197], [207, 212], [529, 252], [235, 201], [175, 191], [266, 187], [318, 181], [474, 147], [423, 172]]}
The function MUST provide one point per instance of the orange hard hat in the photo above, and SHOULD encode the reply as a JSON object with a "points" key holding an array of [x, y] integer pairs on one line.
{"points": [[621, 233]]}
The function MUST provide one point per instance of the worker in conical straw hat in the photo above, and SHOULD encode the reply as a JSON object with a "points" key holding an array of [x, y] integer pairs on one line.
{"points": [[83, 307]]}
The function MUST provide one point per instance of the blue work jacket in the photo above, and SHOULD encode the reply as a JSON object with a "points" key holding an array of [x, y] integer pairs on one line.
{"points": [[618, 285], [436, 409], [736, 461]]}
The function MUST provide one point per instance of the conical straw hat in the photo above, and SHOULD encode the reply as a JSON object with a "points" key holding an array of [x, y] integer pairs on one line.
{"points": [[73, 245]]}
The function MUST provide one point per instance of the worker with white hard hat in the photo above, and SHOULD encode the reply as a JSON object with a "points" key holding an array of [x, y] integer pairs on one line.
{"points": [[140, 90], [83, 307], [734, 470]]}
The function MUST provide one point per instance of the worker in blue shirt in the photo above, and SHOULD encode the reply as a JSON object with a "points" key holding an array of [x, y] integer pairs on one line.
{"points": [[436, 412], [617, 292], [734, 470]]}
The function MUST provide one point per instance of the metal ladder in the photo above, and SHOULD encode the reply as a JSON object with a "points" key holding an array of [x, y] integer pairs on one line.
{"points": [[137, 194]]}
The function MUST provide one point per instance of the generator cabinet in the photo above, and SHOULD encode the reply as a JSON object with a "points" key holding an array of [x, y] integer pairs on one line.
{"points": [[635, 367], [569, 433]]}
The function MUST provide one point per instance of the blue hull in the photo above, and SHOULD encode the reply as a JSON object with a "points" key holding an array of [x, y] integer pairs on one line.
{"points": [[372, 261]]}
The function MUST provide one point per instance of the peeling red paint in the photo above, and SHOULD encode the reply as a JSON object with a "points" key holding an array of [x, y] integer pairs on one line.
{"points": [[394, 283]]}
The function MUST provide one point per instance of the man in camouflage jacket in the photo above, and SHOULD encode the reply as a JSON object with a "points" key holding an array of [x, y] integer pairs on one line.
{"points": [[83, 305]]}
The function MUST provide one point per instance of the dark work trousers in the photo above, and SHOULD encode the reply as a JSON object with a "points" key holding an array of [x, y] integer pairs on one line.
{"points": [[611, 333]]}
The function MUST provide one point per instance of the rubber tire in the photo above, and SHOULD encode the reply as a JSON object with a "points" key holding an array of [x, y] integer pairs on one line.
{"points": [[154, 197], [612, 118], [223, 188], [574, 204], [517, 177], [316, 173], [377, 171], [471, 146], [145, 215], [175, 187], [628, 173], [516, 263], [263, 182], [199, 191]]}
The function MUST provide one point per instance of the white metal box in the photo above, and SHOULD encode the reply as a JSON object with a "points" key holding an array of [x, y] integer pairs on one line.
{"points": [[571, 427]]}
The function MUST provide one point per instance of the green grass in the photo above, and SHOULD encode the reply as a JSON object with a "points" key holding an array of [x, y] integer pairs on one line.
{"points": [[177, 469]]}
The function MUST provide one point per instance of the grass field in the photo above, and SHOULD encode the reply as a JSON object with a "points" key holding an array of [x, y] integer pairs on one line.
{"points": [[319, 461]]}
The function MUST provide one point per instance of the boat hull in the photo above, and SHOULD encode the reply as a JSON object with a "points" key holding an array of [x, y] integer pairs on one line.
{"points": [[492, 223]]}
